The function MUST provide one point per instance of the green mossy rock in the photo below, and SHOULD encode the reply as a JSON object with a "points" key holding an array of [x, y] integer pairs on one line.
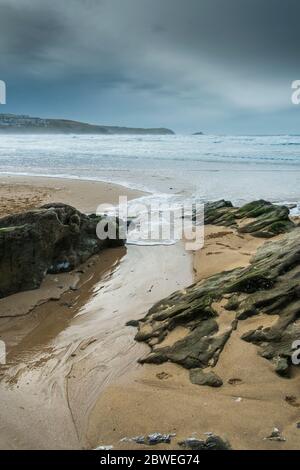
{"points": [[269, 285], [265, 219]]}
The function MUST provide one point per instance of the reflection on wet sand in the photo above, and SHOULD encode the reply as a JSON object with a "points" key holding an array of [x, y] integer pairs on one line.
{"points": [[65, 352]]}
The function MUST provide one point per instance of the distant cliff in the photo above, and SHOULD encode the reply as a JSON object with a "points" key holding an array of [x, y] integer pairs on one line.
{"points": [[22, 124]]}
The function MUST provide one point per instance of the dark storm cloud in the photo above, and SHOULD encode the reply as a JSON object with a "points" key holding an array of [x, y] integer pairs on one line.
{"points": [[27, 32], [201, 59]]}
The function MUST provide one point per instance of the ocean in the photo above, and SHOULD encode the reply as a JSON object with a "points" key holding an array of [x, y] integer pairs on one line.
{"points": [[237, 168]]}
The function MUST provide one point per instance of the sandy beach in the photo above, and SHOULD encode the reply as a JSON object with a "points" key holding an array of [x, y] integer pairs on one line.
{"points": [[19, 193], [149, 231], [71, 344], [72, 380]]}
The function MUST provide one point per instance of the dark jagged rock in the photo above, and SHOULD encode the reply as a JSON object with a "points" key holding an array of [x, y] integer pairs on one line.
{"points": [[198, 377], [270, 219], [269, 285], [219, 213], [133, 323], [259, 218], [52, 239], [282, 366], [212, 443]]}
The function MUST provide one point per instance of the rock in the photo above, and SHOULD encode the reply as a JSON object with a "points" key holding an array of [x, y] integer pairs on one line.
{"points": [[151, 439], [269, 285], [52, 239], [232, 303], [259, 218], [270, 220], [275, 436], [158, 438], [212, 443], [292, 205], [282, 367], [219, 213], [138, 439], [198, 377], [134, 323]]}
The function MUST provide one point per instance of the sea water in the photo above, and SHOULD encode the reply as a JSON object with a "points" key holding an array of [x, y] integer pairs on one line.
{"points": [[238, 168], [173, 169]]}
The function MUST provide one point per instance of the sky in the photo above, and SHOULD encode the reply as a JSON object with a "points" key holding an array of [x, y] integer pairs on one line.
{"points": [[217, 66]]}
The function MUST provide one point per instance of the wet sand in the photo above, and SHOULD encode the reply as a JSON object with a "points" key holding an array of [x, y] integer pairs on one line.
{"points": [[62, 354], [72, 378], [161, 398]]}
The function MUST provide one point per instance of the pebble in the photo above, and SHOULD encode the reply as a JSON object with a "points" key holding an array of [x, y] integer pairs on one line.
{"points": [[104, 448], [151, 439], [275, 436]]}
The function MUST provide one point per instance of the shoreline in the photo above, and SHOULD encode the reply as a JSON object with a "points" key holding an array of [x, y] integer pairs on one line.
{"points": [[122, 184], [25, 192], [134, 190]]}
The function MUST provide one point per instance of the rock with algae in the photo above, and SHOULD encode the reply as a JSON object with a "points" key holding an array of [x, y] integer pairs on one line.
{"points": [[259, 218], [269, 285]]}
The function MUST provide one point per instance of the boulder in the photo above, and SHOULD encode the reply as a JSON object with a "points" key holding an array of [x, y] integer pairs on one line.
{"points": [[51, 239], [199, 377]]}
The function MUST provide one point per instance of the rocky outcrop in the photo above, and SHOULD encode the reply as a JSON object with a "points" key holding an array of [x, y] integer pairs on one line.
{"points": [[52, 239], [269, 285], [259, 218]]}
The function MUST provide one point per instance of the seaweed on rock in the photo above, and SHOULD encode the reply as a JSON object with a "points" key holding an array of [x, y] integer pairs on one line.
{"points": [[259, 218], [270, 285]]}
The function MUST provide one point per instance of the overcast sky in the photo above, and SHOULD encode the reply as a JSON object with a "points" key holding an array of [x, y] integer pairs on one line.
{"points": [[220, 66]]}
